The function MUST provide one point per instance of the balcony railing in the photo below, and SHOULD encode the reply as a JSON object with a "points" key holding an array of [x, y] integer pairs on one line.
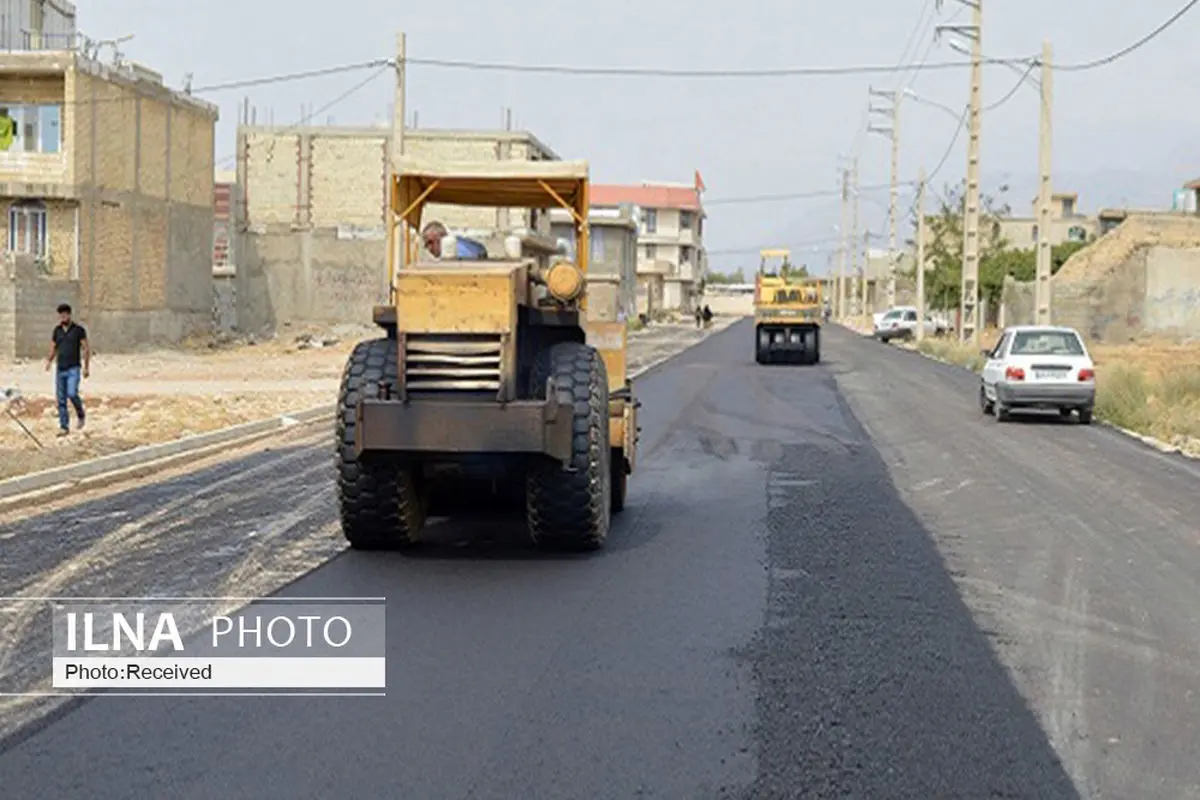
{"points": [[31, 41]]}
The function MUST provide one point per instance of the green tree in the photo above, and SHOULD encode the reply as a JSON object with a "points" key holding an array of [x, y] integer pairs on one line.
{"points": [[944, 247]]}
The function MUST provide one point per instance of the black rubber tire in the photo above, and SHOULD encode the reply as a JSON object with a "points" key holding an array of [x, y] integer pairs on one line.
{"points": [[1085, 416], [985, 405], [814, 355], [572, 510], [381, 505], [1001, 412], [620, 479]]}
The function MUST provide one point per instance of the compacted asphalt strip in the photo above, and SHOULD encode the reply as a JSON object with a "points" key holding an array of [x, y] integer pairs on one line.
{"points": [[829, 581]]}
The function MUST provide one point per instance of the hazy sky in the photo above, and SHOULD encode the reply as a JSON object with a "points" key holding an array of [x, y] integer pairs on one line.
{"points": [[1124, 133]]}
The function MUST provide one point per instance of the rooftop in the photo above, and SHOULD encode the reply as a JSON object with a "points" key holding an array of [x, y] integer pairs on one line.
{"points": [[646, 196]]}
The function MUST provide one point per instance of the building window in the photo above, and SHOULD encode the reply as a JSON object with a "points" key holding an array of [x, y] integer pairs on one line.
{"points": [[31, 129], [685, 255], [27, 230], [1033, 232], [1076, 234], [651, 252], [1068, 207], [651, 220], [596, 243], [685, 220]]}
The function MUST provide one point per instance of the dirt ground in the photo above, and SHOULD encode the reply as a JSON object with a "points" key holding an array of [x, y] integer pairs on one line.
{"points": [[159, 396]]}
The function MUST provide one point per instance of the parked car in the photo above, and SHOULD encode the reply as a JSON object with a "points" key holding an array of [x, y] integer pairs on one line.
{"points": [[900, 322], [1038, 366]]}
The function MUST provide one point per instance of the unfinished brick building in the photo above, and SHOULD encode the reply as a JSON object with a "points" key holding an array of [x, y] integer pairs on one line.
{"points": [[106, 178], [310, 219]]}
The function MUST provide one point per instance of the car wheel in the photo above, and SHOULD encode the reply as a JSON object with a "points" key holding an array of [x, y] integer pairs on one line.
{"points": [[985, 405], [1085, 416], [1001, 411]]}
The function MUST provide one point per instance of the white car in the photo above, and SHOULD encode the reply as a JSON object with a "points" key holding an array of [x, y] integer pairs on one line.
{"points": [[900, 322], [1038, 366]]}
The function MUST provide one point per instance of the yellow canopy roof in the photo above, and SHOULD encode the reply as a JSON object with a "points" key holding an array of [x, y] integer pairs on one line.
{"points": [[498, 184]]}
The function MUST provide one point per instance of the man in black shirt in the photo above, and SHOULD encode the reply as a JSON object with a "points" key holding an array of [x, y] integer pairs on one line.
{"points": [[69, 344]]}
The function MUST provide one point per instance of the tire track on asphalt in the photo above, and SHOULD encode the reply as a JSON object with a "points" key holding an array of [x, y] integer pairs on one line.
{"points": [[106, 552]]}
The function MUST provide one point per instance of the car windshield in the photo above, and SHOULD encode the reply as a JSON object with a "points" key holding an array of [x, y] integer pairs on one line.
{"points": [[892, 314], [1049, 343]]}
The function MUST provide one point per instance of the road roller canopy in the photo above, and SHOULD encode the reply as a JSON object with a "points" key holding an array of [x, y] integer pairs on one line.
{"points": [[496, 184]]}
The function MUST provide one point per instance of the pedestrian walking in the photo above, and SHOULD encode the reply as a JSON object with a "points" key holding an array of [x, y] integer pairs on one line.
{"points": [[70, 353], [699, 317]]}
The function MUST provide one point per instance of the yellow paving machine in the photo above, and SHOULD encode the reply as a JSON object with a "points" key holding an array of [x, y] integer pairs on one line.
{"points": [[788, 308], [490, 380]]}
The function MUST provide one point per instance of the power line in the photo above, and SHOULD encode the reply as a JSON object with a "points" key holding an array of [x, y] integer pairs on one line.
{"points": [[963, 118], [335, 101], [295, 76], [771, 198], [780, 72], [1100, 62], [793, 246]]}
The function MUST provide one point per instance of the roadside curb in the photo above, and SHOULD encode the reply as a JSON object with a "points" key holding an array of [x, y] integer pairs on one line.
{"points": [[148, 458], [660, 361], [1150, 441], [98, 472]]}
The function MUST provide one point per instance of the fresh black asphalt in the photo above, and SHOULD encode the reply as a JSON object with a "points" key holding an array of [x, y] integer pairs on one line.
{"points": [[830, 581]]}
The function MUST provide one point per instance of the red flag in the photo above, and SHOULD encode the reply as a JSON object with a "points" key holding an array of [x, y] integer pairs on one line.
{"points": [[700, 187]]}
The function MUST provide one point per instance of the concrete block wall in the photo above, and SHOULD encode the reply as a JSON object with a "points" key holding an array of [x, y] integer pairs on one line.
{"points": [[1173, 291], [325, 177], [298, 187], [142, 158], [28, 299], [308, 276]]}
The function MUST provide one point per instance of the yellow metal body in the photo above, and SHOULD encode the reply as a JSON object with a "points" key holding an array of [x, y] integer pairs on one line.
{"points": [[611, 340], [783, 298], [474, 298], [484, 298]]}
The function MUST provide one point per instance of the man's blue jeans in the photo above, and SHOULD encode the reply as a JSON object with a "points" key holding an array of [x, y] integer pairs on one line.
{"points": [[67, 388]]}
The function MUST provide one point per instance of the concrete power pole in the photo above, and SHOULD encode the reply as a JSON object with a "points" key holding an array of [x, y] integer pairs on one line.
{"points": [[921, 255], [893, 133], [839, 298], [398, 119], [1045, 140], [854, 309], [398, 109], [866, 261], [969, 303]]}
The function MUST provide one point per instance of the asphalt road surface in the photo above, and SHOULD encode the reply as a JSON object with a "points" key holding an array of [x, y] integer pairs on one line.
{"points": [[831, 581]]}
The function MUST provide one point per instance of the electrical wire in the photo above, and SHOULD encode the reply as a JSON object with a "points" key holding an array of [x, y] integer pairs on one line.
{"points": [[772, 198], [779, 72], [294, 76], [308, 117], [1100, 62], [733, 251], [966, 111]]}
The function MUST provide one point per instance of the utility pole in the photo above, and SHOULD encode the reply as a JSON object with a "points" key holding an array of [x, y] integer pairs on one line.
{"points": [[398, 110], [968, 328], [893, 133], [854, 310], [866, 259], [969, 303], [398, 246], [921, 255], [839, 299], [1045, 140]]}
